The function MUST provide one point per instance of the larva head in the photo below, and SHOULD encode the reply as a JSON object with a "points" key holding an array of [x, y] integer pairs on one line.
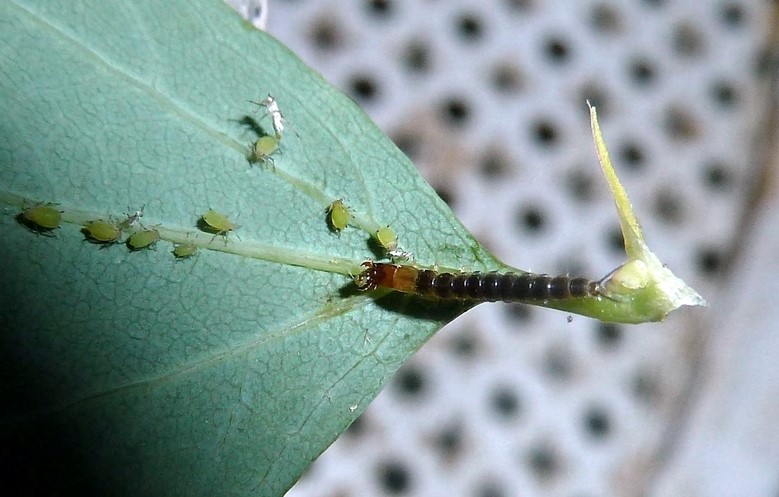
{"points": [[184, 250], [102, 231], [41, 218], [338, 215], [367, 279], [217, 223], [143, 239]]}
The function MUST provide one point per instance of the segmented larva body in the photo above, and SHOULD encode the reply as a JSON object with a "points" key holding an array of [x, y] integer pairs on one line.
{"points": [[487, 287]]}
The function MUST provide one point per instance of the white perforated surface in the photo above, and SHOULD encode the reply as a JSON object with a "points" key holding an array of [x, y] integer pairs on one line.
{"points": [[488, 99]]}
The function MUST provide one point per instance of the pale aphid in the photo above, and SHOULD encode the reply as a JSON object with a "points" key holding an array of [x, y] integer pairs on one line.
{"points": [[264, 148], [184, 250], [338, 215], [102, 232], [41, 219], [143, 239], [132, 218], [277, 117]]}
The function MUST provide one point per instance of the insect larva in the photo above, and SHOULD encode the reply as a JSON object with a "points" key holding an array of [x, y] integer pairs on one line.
{"points": [[486, 287]]}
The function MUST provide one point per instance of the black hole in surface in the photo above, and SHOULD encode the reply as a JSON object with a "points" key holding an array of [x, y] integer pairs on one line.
{"points": [[597, 423], [687, 40], [766, 62], [668, 206], [581, 185], [519, 5], [616, 241], [506, 78], [645, 387], [642, 72], [410, 381], [326, 35], [519, 312], [493, 165], [733, 15], [606, 19], [710, 262], [632, 155], [532, 220], [470, 27], [446, 196], [724, 94], [597, 98], [557, 50], [394, 477], [505, 403], [654, 3], [364, 88], [417, 57], [379, 8], [465, 345], [449, 441], [455, 112], [543, 462], [717, 176], [408, 142], [490, 489], [357, 428], [557, 364], [545, 133], [609, 335], [680, 124]]}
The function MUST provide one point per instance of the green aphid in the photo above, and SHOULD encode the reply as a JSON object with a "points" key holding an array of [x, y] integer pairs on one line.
{"points": [[217, 223], [41, 219], [338, 215], [143, 239], [102, 232], [264, 148], [184, 250], [387, 238]]}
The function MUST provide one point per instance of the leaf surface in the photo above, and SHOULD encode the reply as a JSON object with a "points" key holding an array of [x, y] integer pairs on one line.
{"points": [[229, 372]]}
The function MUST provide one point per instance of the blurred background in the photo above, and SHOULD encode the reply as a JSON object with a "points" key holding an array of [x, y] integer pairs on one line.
{"points": [[488, 100]]}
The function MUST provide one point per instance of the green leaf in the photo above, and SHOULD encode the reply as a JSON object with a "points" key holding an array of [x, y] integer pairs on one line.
{"points": [[225, 373]]}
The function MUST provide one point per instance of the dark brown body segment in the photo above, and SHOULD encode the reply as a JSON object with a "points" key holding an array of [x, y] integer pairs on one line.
{"points": [[486, 287]]}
